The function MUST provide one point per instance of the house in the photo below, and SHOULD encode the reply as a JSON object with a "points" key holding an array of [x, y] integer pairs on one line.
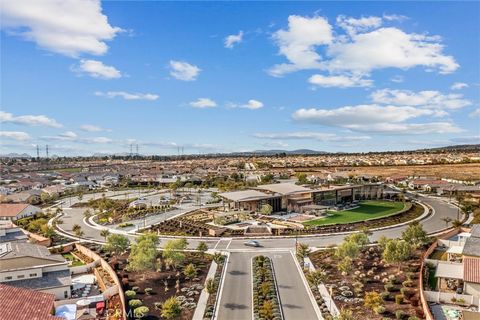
{"points": [[29, 196], [10, 232], [55, 190], [15, 211], [31, 266], [24, 304]]}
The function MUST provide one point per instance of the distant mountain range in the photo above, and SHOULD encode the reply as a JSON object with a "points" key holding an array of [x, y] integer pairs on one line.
{"points": [[464, 147]]}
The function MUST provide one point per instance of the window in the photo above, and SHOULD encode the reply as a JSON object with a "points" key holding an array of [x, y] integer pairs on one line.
{"points": [[33, 274], [20, 276], [8, 278], [65, 293]]}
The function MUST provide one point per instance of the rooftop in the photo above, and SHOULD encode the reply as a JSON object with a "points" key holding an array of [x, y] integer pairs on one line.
{"points": [[471, 269], [35, 305], [244, 195], [12, 209], [450, 270], [23, 249], [47, 280], [284, 188]]}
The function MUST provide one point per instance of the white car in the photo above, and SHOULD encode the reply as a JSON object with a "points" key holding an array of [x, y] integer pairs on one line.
{"points": [[252, 243]]}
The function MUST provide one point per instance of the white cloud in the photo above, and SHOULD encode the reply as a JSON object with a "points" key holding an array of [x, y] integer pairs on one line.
{"points": [[388, 48], [96, 69], [62, 26], [366, 47], [475, 113], [298, 43], [320, 136], [353, 25], [233, 39], [429, 98], [203, 103], [73, 137], [127, 96], [376, 119], [31, 120], [251, 104], [339, 81], [458, 86], [92, 128], [184, 71], [15, 135], [394, 17]]}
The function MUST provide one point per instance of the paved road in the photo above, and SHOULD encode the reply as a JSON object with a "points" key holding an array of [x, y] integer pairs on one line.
{"points": [[236, 295]]}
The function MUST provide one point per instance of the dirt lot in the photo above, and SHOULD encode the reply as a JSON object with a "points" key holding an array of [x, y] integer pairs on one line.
{"points": [[469, 171]]}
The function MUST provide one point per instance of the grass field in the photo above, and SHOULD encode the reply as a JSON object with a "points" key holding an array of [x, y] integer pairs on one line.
{"points": [[366, 210]]}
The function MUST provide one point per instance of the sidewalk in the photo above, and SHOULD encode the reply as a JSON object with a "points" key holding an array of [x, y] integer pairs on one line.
{"points": [[202, 301]]}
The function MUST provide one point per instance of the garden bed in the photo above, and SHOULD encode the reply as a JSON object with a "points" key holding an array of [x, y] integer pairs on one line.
{"points": [[164, 283], [398, 288], [266, 304], [212, 298]]}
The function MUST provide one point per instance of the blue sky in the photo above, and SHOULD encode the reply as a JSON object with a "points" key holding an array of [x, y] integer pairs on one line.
{"points": [[232, 76]]}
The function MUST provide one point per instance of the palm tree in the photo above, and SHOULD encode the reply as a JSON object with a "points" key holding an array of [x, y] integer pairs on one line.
{"points": [[456, 223], [302, 252], [447, 220], [105, 233]]}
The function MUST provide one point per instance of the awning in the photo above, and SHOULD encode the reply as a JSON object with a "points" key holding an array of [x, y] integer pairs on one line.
{"points": [[449, 270]]}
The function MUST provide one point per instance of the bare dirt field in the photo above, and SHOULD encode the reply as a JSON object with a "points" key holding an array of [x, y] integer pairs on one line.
{"points": [[469, 171]]}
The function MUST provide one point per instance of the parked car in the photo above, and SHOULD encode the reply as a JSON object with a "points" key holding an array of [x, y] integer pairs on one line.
{"points": [[252, 243]]}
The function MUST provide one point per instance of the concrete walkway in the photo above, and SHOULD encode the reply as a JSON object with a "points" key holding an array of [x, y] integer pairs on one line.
{"points": [[202, 301]]}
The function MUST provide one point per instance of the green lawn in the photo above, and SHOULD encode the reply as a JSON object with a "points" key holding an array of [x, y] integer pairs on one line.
{"points": [[366, 210], [75, 261]]}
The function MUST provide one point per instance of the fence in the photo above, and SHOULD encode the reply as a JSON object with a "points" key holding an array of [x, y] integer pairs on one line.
{"points": [[448, 297]]}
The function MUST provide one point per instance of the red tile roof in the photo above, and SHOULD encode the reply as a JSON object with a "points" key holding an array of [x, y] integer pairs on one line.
{"points": [[471, 269], [12, 209], [24, 304]]}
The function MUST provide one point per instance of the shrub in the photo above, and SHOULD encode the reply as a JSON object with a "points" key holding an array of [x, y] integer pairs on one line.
{"points": [[158, 305], [130, 294], [148, 291], [407, 283], [413, 318], [385, 295], [135, 289], [400, 314], [140, 312], [389, 287], [379, 310], [399, 299], [135, 303]]}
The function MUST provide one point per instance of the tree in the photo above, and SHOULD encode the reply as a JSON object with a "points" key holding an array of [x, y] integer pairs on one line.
{"points": [[415, 235], [382, 242], [87, 214], [218, 257], [347, 248], [116, 243], [79, 233], [173, 251], [143, 253], [397, 251], [47, 231], [359, 238], [372, 300], [171, 308], [105, 233], [303, 251], [456, 223], [190, 271], [76, 227], [316, 277], [202, 247], [302, 178], [266, 209], [447, 220]]}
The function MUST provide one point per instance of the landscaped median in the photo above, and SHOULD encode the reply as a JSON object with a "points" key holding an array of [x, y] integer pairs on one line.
{"points": [[266, 301]]}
